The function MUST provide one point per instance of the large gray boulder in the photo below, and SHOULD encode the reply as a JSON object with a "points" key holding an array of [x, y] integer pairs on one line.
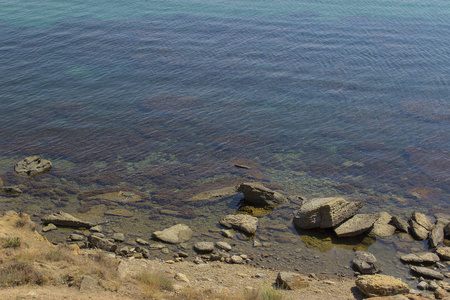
{"points": [[32, 165], [245, 223], [356, 225], [325, 212], [258, 195], [366, 263], [381, 285], [179, 233]]}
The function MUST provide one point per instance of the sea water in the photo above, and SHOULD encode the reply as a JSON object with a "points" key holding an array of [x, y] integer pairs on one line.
{"points": [[164, 98]]}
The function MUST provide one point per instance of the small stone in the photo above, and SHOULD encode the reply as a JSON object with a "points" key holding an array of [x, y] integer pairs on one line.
{"points": [[49, 227], [182, 254], [432, 286], [204, 247], [156, 246], [181, 277], [440, 293], [76, 237], [10, 191], [244, 256], [170, 261], [235, 259], [223, 245], [426, 272], [165, 250], [256, 243], [97, 228], [141, 241], [198, 260], [423, 285], [119, 237], [228, 233]]}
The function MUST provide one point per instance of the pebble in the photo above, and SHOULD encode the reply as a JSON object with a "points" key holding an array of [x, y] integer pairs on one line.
{"points": [[119, 237], [228, 233], [223, 245], [141, 241], [170, 261], [181, 277], [165, 250], [182, 254], [49, 227], [96, 228], [76, 237], [235, 259]]}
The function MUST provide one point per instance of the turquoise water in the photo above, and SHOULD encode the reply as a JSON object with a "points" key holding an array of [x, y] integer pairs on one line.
{"points": [[320, 98]]}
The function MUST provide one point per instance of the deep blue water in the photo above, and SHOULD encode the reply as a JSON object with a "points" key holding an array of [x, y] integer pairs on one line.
{"points": [[319, 97]]}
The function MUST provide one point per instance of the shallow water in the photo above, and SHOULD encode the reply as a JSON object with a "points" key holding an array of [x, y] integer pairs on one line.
{"points": [[165, 97]]}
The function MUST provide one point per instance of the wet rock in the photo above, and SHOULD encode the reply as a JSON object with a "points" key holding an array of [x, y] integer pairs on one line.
{"points": [[258, 195], [49, 227], [213, 195], [32, 165], [419, 258], [204, 247], [102, 243], [423, 285], [245, 223], [156, 246], [381, 227], [428, 110], [236, 259], [124, 197], [119, 237], [366, 263], [400, 223], [119, 212], [224, 245], [443, 252], [356, 225], [325, 212], [76, 237], [381, 285], [228, 233], [96, 228], [437, 235], [10, 191], [426, 272], [420, 226], [176, 234], [141, 241], [432, 286], [291, 281], [66, 220]]}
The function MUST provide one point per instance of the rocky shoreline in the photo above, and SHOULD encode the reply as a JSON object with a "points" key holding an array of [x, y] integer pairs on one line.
{"points": [[428, 269]]}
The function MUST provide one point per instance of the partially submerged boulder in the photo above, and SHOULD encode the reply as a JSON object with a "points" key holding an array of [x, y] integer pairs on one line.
{"points": [[66, 220], [32, 165], [179, 233], [381, 285], [245, 223], [366, 263], [356, 225], [258, 195], [325, 212]]}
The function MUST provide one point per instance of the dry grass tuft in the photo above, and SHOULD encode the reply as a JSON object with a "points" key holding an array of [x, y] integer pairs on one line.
{"points": [[13, 242], [19, 273], [265, 292], [153, 284]]}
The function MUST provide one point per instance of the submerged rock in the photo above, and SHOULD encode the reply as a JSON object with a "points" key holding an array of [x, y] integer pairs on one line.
{"points": [[366, 263], [125, 197], [381, 285], [32, 165], [10, 191], [176, 234], [66, 220], [419, 258], [325, 212], [213, 195], [356, 225], [245, 223], [257, 194]]}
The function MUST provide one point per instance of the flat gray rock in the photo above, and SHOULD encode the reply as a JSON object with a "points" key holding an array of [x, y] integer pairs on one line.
{"points": [[204, 247], [179, 233], [426, 272], [325, 212], [400, 223], [66, 220], [259, 195], [245, 223], [443, 252], [419, 258], [32, 165], [223, 245], [436, 235], [356, 225]]}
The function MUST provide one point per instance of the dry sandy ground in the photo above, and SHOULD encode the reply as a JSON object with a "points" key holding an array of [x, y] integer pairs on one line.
{"points": [[214, 278]]}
